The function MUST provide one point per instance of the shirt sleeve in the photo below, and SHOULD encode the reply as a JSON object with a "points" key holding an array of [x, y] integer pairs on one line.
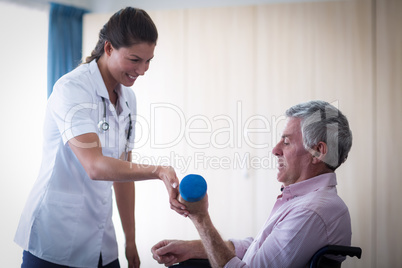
{"points": [[73, 108], [241, 245], [293, 241], [235, 262], [286, 246]]}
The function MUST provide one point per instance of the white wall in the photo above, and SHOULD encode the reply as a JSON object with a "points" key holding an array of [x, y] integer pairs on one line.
{"points": [[267, 58], [23, 86]]}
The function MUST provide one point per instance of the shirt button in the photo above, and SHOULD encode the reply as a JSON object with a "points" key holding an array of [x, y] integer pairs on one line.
{"points": [[100, 226], [104, 201]]}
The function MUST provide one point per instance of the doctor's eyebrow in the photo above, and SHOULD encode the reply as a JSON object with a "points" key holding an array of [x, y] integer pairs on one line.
{"points": [[139, 58]]}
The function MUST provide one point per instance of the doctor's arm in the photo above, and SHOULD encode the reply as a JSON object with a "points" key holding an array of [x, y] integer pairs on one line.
{"points": [[87, 148], [125, 200]]}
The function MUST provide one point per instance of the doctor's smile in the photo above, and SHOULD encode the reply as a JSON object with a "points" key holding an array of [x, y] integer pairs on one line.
{"points": [[132, 77], [57, 223]]}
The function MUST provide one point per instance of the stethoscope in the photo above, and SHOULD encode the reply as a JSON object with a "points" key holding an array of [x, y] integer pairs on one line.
{"points": [[104, 126]]}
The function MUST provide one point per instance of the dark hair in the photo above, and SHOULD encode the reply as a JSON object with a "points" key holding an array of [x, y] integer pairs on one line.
{"points": [[125, 28]]}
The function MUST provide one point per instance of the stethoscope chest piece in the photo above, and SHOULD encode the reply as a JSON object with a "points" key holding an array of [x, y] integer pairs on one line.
{"points": [[103, 126]]}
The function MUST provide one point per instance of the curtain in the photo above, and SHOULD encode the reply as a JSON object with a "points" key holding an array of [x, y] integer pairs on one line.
{"points": [[65, 41]]}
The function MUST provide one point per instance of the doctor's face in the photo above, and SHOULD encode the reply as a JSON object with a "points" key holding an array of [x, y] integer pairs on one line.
{"points": [[127, 63], [293, 159]]}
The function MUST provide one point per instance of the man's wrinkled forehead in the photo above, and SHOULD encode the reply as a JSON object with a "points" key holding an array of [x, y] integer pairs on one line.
{"points": [[291, 127]]}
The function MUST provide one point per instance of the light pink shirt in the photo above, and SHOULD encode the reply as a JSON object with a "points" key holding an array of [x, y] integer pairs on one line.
{"points": [[306, 216]]}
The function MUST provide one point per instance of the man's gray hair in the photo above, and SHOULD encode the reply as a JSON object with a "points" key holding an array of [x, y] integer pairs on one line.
{"points": [[322, 122]]}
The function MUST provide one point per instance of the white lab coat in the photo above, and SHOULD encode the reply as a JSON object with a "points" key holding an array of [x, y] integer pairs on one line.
{"points": [[68, 217]]}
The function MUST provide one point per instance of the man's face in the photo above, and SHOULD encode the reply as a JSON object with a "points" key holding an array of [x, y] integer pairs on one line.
{"points": [[293, 159]]}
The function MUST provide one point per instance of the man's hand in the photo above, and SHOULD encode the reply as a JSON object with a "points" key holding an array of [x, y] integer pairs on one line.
{"points": [[169, 252], [218, 251], [198, 210]]}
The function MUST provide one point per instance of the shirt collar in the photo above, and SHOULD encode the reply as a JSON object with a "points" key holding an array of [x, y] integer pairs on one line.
{"points": [[101, 89], [122, 100], [100, 86], [310, 185]]}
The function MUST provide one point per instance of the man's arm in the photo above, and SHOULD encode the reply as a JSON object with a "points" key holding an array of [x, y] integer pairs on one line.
{"points": [[211, 245], [218, 251], [169, 252]]}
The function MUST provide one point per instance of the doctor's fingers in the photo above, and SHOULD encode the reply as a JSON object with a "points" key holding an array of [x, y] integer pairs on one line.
{"points": [[178, 207], [168, 175], [173, 197]]}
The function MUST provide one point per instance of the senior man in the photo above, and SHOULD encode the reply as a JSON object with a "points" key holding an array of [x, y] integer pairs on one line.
{"points": [[307, 215]]}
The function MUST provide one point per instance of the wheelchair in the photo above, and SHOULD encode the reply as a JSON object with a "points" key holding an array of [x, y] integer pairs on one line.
{"points": [[319, 260]]}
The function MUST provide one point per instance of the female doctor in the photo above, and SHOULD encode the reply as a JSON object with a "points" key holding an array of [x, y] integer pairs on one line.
{"points": [[88, 136]]}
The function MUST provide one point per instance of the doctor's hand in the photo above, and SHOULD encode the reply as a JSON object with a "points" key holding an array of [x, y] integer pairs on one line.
{"points": [[168, 176], [132, 256], [169, 252]]}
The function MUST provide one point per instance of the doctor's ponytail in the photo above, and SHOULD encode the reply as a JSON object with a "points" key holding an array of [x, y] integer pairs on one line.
{"points": [[125, 28]]}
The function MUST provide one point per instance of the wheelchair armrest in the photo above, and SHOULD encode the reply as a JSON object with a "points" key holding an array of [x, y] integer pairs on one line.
{"points": [[335, 250], [342, 250], [193, 263]]}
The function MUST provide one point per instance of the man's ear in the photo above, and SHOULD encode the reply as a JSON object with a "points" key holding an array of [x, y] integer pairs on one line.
{"points": [[319, 152]]}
